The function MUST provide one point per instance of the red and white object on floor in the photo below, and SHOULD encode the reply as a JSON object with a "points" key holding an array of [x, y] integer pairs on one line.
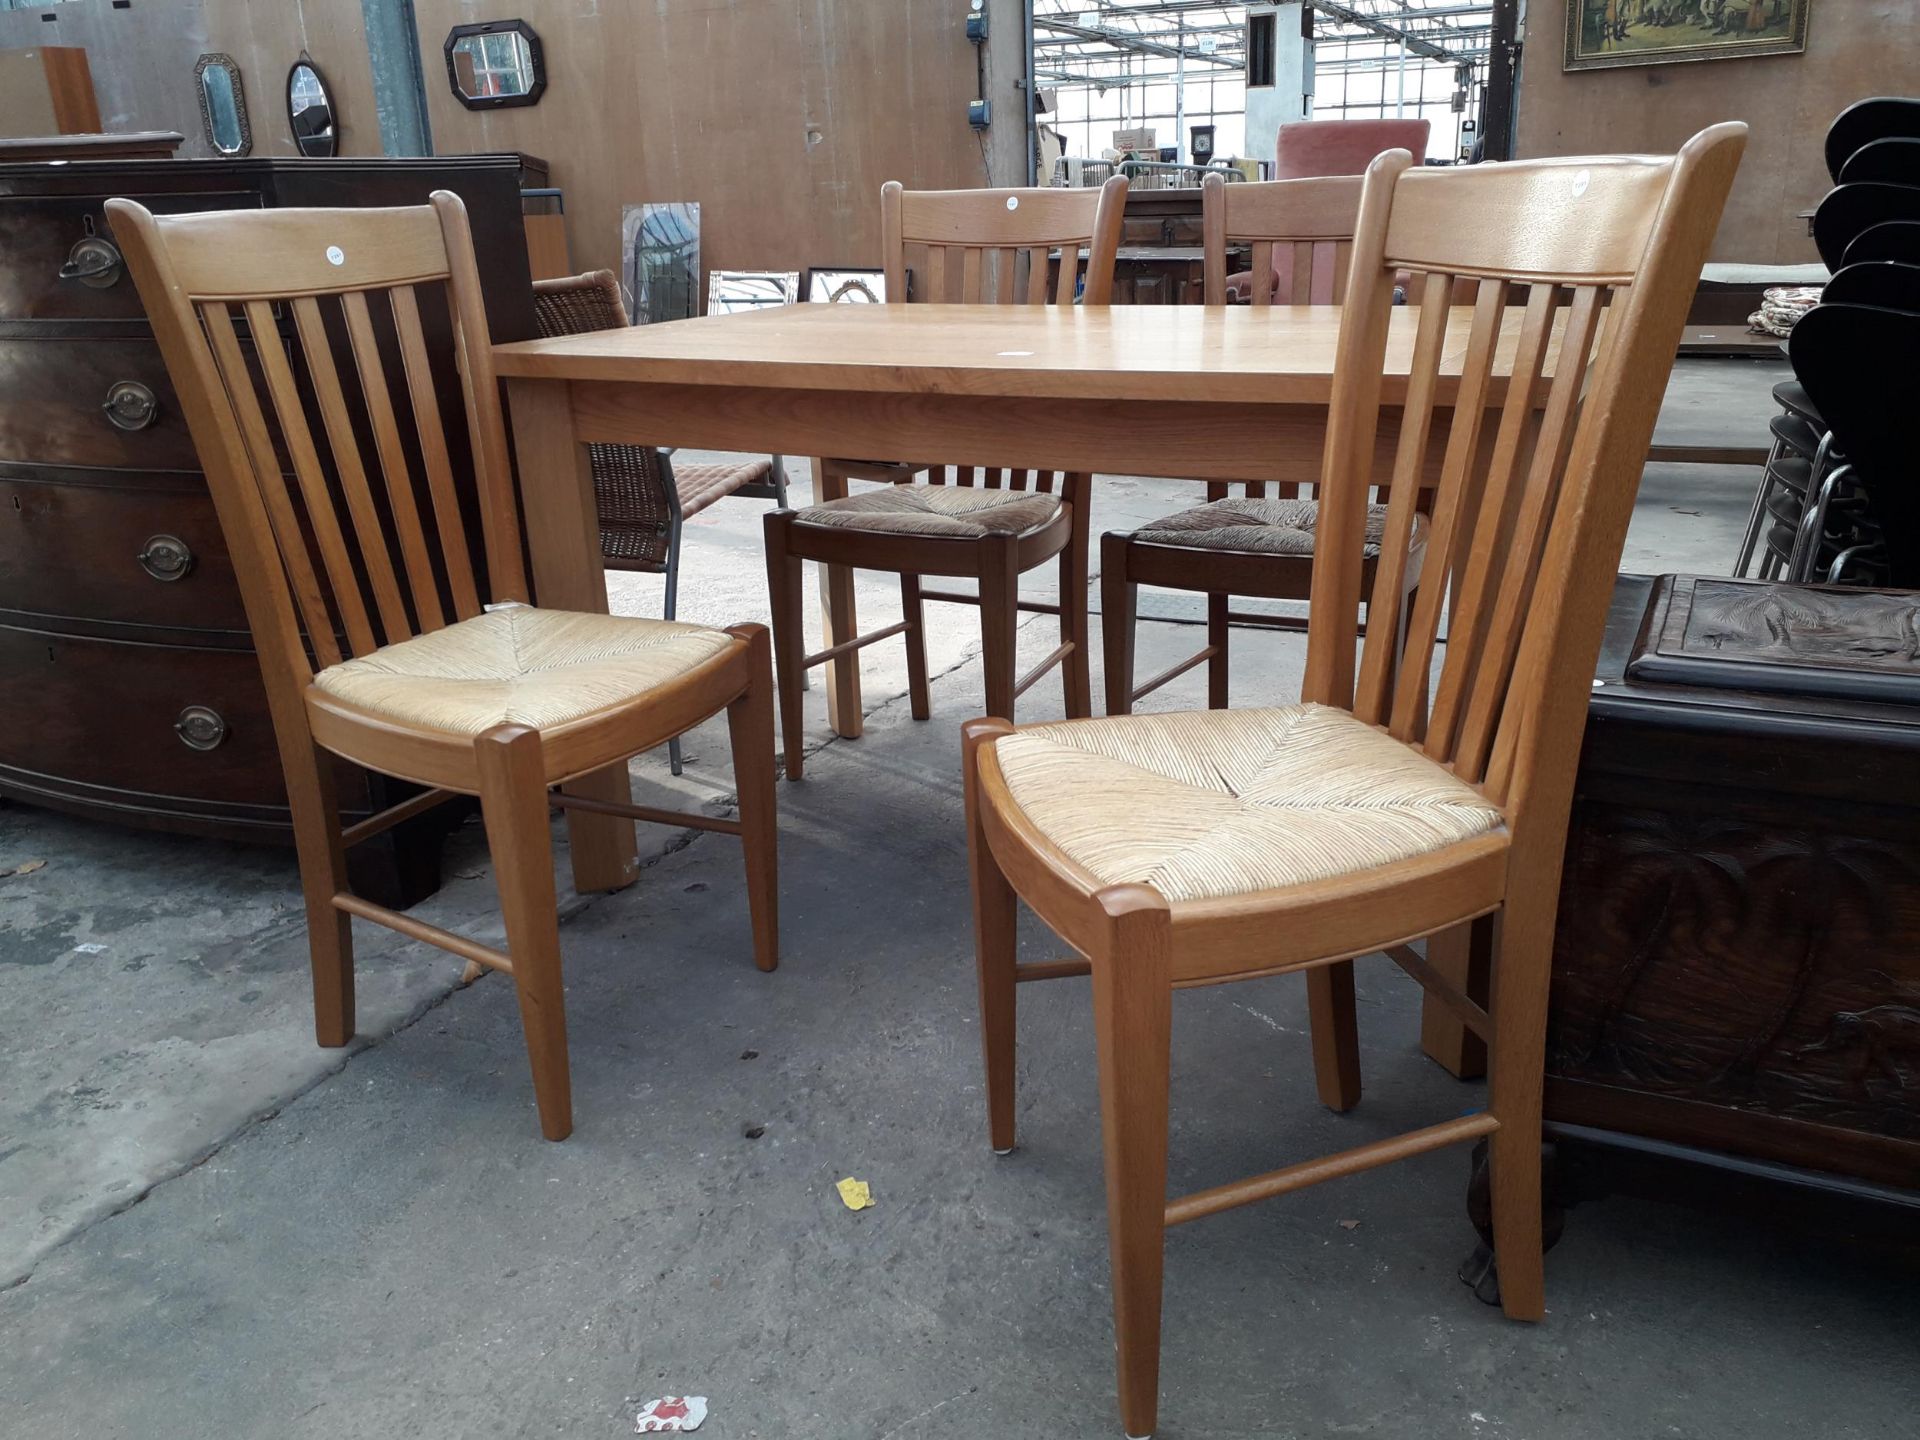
{"points": [[670, 1413]]}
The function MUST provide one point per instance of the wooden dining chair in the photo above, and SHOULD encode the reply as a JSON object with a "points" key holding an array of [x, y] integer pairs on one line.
{"points": [[1189, 849], [382, 641], [1251, 544], [973, 247]]}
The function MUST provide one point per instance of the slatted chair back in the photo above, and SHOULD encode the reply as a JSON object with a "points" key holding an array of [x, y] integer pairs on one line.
{"points": [[992, 247], [1552, 414], [364, 544], [1310, 223]]}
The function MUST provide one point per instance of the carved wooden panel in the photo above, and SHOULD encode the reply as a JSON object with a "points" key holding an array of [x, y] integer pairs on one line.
{"points": [[1753, 965], [1785, 639]]}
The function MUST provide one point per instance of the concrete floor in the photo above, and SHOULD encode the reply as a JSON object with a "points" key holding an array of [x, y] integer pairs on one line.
{"points": [[211, 1228]]}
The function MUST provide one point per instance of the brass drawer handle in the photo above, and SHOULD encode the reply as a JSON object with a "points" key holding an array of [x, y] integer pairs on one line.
{"points": [[200, 728], [165, 557], [131, 405], [95, 262]]}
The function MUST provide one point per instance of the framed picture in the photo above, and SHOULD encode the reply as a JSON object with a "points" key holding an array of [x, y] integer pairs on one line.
{"points": [[846, 287], [1605, 33], [731, 291]]}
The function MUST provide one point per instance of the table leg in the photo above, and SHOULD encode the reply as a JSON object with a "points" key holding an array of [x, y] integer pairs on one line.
{"points": [[839, 622], [563, 538], [1464, 955]]}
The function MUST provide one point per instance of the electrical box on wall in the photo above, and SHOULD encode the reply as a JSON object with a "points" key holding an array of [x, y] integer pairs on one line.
{"points": [[977, 21], [979, 113]]}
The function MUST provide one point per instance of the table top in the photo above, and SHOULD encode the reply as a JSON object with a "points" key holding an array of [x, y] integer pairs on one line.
{"points": [[1280, 355]]}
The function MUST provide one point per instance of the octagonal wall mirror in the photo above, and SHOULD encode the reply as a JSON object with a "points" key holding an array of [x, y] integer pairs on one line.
{"points": [[496, 64], [223, 104], [310, 110]]}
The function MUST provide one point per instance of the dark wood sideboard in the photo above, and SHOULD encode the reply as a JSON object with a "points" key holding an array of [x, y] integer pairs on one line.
{"points": [[127, 675], [1737, 972]]}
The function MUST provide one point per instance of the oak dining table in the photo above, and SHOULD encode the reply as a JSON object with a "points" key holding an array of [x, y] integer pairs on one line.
{"points": [[1188, 392]]}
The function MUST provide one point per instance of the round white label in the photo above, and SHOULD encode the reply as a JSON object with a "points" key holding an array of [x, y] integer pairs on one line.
{"points": [[1581, 182], [1013, 202], [335, 255]]}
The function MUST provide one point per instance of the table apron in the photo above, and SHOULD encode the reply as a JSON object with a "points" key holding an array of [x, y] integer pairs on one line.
{"points": [[1186, 441]]}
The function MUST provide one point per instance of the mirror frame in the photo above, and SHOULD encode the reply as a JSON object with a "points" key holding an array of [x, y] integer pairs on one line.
{"points": [[226, 62], [306, 61], [537, 59]]}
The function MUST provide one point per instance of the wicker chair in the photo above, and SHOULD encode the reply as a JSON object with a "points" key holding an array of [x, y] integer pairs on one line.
{"points": [[644, 498]]}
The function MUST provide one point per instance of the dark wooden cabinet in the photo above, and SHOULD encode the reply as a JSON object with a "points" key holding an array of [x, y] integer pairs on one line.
{"points": [[127, 675], [1737, 970], [1160, 258]]}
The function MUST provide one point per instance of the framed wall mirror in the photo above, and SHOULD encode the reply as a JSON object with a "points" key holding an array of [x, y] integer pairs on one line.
{"points": [[310, 110], [496, 64], [223, 104]]}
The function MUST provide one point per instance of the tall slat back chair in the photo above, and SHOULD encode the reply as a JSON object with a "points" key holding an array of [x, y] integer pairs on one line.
{"points": [[1309, 221], [379, 639], [347, 550], [994, 247], [1251, 544], [974, 247], [1189, 849]]}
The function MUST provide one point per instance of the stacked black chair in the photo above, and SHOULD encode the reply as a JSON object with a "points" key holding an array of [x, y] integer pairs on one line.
{"points": [[1889, 240], [1819, 514], [1846, 211], [1893, 161], [1866, 121], [1857, 363]]}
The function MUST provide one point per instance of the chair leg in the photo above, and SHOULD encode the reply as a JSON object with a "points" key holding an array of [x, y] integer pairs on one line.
{"points": [[1757, 514], [999, 620], [842, 622], [1522, 967], [323, 874], [1336, 1034], [783, 592], [919, 696], [995, 922], [750, 727], [513, 802], [1119, 599], [1217, 629], [1076, 628], [1133, 1021], [672, 609]]}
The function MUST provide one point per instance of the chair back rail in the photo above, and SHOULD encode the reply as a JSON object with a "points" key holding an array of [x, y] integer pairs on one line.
{"points": [[993, 247], [366, 542], [1551, 417]]}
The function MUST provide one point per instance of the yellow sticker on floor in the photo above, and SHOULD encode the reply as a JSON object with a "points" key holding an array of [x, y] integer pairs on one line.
{"points": [[855, 1194]]}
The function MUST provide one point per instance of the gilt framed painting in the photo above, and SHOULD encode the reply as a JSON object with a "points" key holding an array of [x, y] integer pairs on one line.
{"points": [[1605, 33]]}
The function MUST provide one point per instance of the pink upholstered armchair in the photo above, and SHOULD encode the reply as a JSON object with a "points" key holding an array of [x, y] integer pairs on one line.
{"points": [[1330, 147]]}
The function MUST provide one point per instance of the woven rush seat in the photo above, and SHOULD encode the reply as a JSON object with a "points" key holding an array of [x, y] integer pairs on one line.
{"points": [[520, 665], [958, 512], [1268, 527], [1210, 803]]}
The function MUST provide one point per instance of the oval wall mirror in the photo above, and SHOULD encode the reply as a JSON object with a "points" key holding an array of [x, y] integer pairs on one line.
{"points": [[310, 109], [223, 105], [497, 64]]}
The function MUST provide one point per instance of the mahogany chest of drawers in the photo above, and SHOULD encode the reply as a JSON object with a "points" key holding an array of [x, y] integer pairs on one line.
{"points": [[128, 684]]}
